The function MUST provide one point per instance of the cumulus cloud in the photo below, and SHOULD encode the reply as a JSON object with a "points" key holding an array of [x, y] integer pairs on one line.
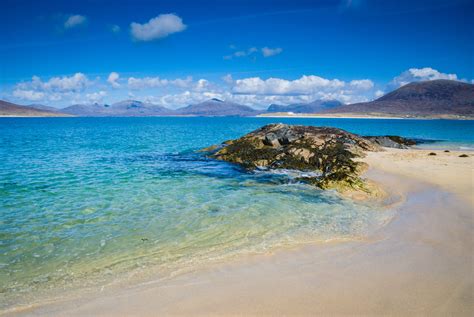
{"points": [[267, 52], [96, 96], [242, 53], [30, 95], [114, 28], [157, 28], [153, 82], [74, 20], [420, 74], [278, 86], [379, 93], [113, 79], [74, 83], [364, 84], [53, 89], [228, 79], [175, 92], [202, 85], [185, 98]]}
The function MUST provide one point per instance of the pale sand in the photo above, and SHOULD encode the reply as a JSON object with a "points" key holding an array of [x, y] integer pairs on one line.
{"points": [[421, 263], [445, 170]]}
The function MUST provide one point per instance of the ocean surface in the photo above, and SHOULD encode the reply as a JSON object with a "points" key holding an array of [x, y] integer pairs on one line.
{"points": [[89, 203]]}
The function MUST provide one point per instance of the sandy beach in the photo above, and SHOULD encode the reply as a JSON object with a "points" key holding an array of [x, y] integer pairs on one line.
{"points": [[421, 263]]}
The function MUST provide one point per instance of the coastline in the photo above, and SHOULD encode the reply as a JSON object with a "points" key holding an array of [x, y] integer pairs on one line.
{"points": [[361, 116], [271, 115], [419, 263]]}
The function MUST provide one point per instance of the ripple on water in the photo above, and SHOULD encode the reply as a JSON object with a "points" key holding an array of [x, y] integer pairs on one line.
{"points": [[90, 226]]}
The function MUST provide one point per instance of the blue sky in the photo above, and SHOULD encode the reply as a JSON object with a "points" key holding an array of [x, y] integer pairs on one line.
{"points": [[254, 52]]}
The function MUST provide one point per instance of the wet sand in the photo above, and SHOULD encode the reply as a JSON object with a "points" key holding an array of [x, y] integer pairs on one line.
{"points": [[420, 263]]}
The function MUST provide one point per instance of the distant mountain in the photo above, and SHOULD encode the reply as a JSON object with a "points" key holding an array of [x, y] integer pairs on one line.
{"points": [[312, 107], [43, 107], [126, 108], [428, 98], [86, 110], [217, 108], [8, 109], [138, 108]]}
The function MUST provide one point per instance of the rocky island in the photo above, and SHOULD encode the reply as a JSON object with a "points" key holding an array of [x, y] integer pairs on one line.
{"points": [[331, 154]]}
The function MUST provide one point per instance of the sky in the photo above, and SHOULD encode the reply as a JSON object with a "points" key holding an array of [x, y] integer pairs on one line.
{"points": [[175, 53]]}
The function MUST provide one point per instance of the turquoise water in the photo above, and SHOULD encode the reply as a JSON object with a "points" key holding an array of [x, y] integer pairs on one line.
{"points": [[91, 202]]}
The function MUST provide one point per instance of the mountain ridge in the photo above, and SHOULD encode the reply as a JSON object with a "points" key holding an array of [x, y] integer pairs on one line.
{"points": [[427, 98], [310, 107], [9, 109], [436, 98], [218, 108]]}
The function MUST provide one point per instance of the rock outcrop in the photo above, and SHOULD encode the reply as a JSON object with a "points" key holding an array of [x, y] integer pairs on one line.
{"points": [[330, 152], [392, 141]]}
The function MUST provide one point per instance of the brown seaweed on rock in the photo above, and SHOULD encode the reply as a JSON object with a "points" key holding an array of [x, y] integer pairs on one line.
{"points": [[328, 151]]}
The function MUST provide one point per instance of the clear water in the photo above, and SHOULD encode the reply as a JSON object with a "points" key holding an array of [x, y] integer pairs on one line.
{"points": [[88, 202]]}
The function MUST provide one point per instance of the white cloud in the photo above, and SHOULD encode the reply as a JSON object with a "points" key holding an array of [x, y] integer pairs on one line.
{"points": [[175, 92], [96, 96], [113, 79], [420, 74], [379, 93], [201, 85], [114, 28], [278, 86], [228, 79], [76, 82], [364, 84], [259, 93], [153, 82], [30, 95], [184, 98], [157, 28], [267, 52], [52, 90], [242, 53], [74, 21]]}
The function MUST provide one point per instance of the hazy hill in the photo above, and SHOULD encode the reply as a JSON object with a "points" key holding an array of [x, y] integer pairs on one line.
{"points": [[311, 107], [126, 108], [8, 109], [428, 98], [86, 110], [43, 107], [216, 107]]}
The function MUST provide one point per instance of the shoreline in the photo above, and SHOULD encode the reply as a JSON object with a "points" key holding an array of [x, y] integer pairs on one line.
{"points": [[362, 116], [418, 263], [302, 116]]}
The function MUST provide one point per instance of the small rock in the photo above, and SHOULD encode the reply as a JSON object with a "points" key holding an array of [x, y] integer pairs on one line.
{"points": [[446, 151], [432, 153], [271, 139], [463, 155]]}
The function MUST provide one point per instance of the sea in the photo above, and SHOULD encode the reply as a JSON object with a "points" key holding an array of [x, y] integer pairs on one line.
{"points": [[90, 204]]}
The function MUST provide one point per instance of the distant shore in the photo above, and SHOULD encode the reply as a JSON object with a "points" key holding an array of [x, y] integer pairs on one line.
{"points": [[266, 115], [419, 263], [360, 116]]}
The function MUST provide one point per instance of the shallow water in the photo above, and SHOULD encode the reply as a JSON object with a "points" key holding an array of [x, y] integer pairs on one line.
{"points": [[85, 202]]}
